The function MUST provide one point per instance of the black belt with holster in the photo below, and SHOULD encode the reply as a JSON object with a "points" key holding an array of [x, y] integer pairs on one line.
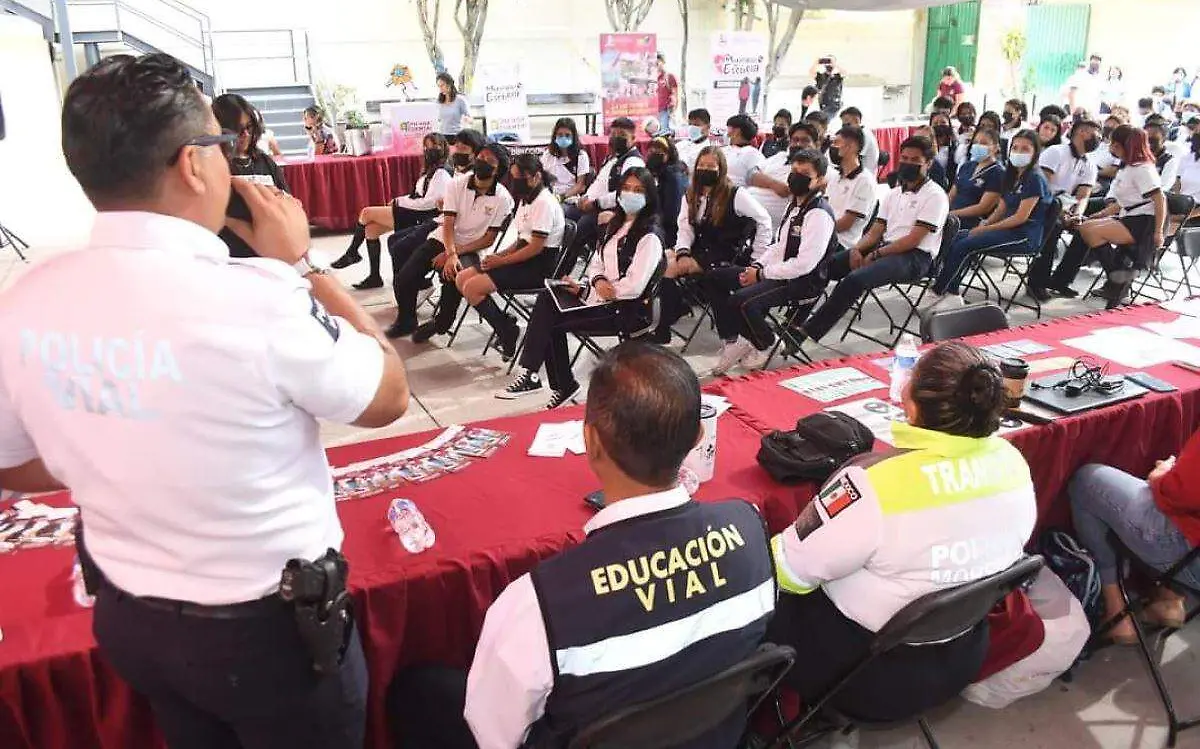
{"points": [[315, 592]]}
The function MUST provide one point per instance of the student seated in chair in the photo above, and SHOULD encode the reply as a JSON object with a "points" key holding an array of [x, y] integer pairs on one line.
{"points": [[852, 189], [794, 267], [475, 207], [950, 504], [976, 190], [714, 220], [524, 264], [1015, 227], [611, 293], [899, 247], [623, 155], [664, 592]]}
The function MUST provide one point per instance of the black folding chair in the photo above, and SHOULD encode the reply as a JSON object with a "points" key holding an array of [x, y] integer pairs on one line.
{"points": [[692, 712], [8, 239], [1179, 208], [933, 618], [694, 296], [1187, 244], [973, 319], [495, 246], [794, 314], [634, 318], [1152, 642], [1017, 264]]}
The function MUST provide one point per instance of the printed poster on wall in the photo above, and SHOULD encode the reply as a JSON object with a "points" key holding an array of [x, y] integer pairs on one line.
{"points": [[505, 105], [628, 77], [739, 75], [410, 122]]}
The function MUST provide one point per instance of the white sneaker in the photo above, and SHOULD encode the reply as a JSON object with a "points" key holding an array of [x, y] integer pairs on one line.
{"points": [[731, 354], [756, 360], [949, 301]]}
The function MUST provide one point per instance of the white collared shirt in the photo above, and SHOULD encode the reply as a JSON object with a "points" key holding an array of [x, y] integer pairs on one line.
{"points": [[474, 214], [598, 190], [511, 676], [901, 211], [1133, 187], [870, 152], [777, 168], [606, 263], [544, 217], [743, 162], [431, 189], [814, 232], [175, 391], [853, 193], [564, 180], [1189, 175], [1069, 172], [743, 205]]}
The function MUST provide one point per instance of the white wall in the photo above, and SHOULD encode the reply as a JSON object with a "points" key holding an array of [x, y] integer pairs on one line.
{"points": [[39, 199]]}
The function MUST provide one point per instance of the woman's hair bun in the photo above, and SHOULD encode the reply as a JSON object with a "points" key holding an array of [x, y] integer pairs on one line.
{"points": [[981, 388]]}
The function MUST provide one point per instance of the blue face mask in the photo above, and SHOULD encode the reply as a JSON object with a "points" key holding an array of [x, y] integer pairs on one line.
{"points": [[979, 152], [1020, 160], [631, 202], [694, 132], [564, 141]]}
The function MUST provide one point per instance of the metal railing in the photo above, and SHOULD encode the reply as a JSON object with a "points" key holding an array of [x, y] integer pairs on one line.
{"points": [[166, 25], [262, 57]]}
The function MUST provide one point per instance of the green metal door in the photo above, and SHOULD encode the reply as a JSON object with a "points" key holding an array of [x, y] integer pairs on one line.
{"points": [[1056, 40], [951, 39]]}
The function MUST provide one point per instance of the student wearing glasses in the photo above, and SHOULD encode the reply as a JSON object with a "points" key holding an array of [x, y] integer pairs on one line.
{"points": [[247, 160]]}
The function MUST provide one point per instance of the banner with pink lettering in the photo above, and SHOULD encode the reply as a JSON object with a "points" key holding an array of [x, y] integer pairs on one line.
{"points": [[628, 77]]}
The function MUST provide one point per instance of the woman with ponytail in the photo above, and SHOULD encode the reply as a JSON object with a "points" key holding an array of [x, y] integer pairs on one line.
{"points": [[951, 503]]}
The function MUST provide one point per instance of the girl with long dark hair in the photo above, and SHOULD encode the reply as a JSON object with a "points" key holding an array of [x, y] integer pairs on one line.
{"points": [[239, 116], [566, 161], [453, 110]]}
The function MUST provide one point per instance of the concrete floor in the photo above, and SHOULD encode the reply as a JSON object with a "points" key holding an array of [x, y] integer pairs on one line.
{"points": [[1110, 704]]}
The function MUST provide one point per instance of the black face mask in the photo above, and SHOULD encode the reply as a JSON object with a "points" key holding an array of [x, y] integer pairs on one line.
{"points": [[618, 144], [521, 189], [1091, 143], [432, 156], [909, 172], [799, 184], [943, 132], [1107, 132], [835, 156], [461, 160], [706, 177], [779, 132], [656, 161], [484, 170]]}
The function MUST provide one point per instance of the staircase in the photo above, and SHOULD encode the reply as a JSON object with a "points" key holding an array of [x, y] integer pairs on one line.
{"points": [[282, 108]]}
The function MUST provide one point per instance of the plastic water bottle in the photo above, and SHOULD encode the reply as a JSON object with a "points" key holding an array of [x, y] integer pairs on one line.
{"points": [[78, 588], [903, 362], [410, 525]]}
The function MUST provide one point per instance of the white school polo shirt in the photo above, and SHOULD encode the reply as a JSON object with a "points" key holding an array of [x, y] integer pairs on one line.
{"points": [[176, 392], [902, 210], [1070, 172], [1189, 174], [1132, 188], [556, 166], [853, 193], [544, 216], [743, 161], [473, 213]]}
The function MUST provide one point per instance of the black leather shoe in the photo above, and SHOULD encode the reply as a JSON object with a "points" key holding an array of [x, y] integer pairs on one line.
{"points": [[506, 340], [1066, 292], [400, 328], [1040, 294], [661, 336], [370, 282], [428, 330], [345, 261]]}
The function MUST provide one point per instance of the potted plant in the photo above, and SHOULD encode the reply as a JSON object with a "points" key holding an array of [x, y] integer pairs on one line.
{"points": [[358, 136]]}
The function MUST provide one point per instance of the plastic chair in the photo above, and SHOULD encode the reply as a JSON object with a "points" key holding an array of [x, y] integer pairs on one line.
{"points": [[1187, 244], [1151, 643], [933, 618], [690, 713], [973, 319]]}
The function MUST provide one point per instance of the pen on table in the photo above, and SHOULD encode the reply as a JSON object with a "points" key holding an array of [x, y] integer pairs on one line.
{"points": [[1187, 367]]}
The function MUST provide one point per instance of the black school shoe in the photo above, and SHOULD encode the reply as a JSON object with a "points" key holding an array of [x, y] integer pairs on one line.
{"points": [[345, 261], [563, 397], [428, 330]]}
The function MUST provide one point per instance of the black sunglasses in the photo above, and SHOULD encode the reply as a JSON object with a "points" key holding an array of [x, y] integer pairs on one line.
{"points": [[225, 140]]}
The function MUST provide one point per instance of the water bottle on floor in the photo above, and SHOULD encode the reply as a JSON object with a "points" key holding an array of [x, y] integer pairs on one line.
{"points": [[903, 362], [410, 525]]}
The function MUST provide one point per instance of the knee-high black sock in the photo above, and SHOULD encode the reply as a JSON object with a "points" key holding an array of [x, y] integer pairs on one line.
{"points": [[360, 233], [374, 250], [447, 308], [490, 311]]}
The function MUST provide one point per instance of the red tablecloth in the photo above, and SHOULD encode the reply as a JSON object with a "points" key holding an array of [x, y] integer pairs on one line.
{"points": [[1130, 435], [494, 521]]}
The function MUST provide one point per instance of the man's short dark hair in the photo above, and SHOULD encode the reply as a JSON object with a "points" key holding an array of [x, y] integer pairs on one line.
{"points": [[813, 157], [644, 403], [624, 123], [812, 131], [817, 116], [123, 122], [1156, 124], [1053, 109], [1145, 102], [943, 103], [745, 124], [1159, 90], [700, 114], [852, 112], [472, 138], [785, 114], [919, 143], [502, 157], [854, 133], [1082, 123]]}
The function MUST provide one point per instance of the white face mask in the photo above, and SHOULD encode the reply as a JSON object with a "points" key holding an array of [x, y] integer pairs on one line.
{"points": [[1020, 160]]}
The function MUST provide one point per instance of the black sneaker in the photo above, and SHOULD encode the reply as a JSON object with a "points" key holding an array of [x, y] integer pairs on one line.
{"points": [[400, 328], [370, 282], [661, 336], [1038, 293], [522, 385], [506, 340], [428, 330], [345, 261], [1064, 291], [563, 397]]}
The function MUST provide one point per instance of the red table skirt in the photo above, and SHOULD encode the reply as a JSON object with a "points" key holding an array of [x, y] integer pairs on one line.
{"points": [[1130, 436]]}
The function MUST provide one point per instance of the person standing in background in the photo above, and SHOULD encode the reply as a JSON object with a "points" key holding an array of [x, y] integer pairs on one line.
{"points": [[743, 95], [1178, 89], [453, 111], [951, 86], [829, 79], [668, 94], [1083, 87], [755, 93], [1112, 93]]}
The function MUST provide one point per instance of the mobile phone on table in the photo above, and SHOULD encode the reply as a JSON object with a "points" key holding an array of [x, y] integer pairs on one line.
{"points": [[1150, 382]]}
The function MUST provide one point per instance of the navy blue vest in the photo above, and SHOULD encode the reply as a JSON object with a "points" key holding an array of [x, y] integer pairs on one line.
{"points": [[618, 171], [691, 590]]}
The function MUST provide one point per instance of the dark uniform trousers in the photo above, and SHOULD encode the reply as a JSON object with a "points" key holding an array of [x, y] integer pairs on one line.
{"points": [[546, 336], [407, 284], [587, 229], [225, 683], [749, 305]]}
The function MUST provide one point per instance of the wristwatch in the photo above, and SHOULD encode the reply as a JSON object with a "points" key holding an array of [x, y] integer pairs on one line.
{"points": [[306, 267]]}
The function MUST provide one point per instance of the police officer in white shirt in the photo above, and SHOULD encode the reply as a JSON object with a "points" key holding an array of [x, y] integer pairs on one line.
{"points": [[623, 155], [852, 117], [900, 246], [176, 394], [607, 624], [852, 192]]}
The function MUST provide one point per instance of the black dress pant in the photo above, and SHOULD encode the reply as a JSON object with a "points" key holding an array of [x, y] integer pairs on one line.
{"points": [[243, 683], [586, 228], [896, 686], [425, 707], [411, 271], [750, 305], [546, 337]]}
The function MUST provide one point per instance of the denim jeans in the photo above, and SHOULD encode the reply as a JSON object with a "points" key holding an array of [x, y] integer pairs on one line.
{"points": [[907, 266], [1104, 498], [965, 247]]}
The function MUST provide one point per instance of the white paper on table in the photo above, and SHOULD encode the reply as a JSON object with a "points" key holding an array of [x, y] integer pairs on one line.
{"points": [[573, 439], [555, 439], [1134, 347], [1016, 349], [719, 403], [833, 384], [1189, 307], [879, 415], [1183, 327]]}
